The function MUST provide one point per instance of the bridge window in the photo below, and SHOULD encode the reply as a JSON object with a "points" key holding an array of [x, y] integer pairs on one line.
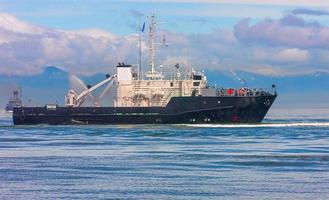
{"points": [[196, 83], [197, 77]]}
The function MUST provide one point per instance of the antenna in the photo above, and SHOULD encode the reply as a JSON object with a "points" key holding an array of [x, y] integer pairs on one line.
{"points": [[140, 48], [20, 92], [242, 81], [151, 44], [164, 43]]}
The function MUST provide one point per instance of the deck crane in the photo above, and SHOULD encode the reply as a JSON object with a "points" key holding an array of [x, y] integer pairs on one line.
{"points": [[73, 99]]}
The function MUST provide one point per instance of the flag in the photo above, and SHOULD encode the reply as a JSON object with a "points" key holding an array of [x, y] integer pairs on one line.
{"points": [[143, 27]]}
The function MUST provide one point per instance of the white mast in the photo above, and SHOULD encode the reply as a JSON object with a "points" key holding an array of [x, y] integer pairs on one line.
{"points": [[152, 44], [140, 51], [152, 73]]}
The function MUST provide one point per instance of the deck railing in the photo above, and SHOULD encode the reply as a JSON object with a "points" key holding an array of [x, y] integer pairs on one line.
{"points": [[244, 91]]}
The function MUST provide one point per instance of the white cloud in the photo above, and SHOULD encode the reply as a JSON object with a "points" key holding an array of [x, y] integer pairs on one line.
{"points": [[292, 55], [267, 69], [27, 49], [96, 34], [281, 55], [10, 23]]}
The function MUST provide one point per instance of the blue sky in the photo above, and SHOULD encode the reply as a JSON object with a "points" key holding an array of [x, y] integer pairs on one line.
{"points": [[281, 37], [119, 16]]}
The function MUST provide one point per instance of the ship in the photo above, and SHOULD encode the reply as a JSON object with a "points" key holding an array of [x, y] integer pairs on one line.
{"points": [[15, 100], [180, 97]]}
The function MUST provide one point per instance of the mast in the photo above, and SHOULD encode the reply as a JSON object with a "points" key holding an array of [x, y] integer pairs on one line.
{"points": [[152, 74], [152, 44], [140, 52]]}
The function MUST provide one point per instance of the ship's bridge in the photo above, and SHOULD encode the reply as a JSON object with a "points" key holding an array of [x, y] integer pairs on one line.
{"points": [[155, 90]]}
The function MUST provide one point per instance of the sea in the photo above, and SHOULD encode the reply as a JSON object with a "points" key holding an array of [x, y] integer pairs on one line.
{"points": [[285, 157]]}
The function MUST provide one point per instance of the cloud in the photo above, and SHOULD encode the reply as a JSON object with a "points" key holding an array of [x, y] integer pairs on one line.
{"points": [[292, 55], [305, 11], [289, 45], [290, 31], [281, 55], [10, 23], [27, 48]]}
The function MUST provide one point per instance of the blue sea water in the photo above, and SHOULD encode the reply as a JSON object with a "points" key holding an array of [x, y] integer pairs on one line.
{"points": [[286, 157]]}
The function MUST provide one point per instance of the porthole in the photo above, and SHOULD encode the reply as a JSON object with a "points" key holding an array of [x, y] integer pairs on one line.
{"points": [[206, 119], [267, 102]]}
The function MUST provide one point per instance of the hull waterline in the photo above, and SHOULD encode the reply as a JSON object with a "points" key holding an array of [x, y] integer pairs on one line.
{"points": [[180, 110]]}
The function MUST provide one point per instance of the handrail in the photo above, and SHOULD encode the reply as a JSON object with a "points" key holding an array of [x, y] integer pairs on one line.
{"points": [[243, 92]]}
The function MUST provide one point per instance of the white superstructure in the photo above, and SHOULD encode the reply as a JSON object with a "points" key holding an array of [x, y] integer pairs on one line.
{"points": [[155, 92]]}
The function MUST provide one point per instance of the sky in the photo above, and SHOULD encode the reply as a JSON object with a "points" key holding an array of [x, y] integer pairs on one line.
{"points": [[277, 38]]}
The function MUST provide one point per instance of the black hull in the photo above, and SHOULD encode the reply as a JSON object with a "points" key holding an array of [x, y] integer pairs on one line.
{"points": [[180, 110]]}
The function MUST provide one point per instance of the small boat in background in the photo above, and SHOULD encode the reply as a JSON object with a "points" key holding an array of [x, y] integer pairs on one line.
{"points": [[15, 100]]}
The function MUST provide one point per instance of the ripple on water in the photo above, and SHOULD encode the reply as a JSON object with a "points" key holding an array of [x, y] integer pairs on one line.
{"points": [[274, 160]]}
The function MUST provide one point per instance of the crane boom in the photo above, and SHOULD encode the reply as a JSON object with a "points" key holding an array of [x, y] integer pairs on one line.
{"points": [[75, 100], [86, 92]]}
